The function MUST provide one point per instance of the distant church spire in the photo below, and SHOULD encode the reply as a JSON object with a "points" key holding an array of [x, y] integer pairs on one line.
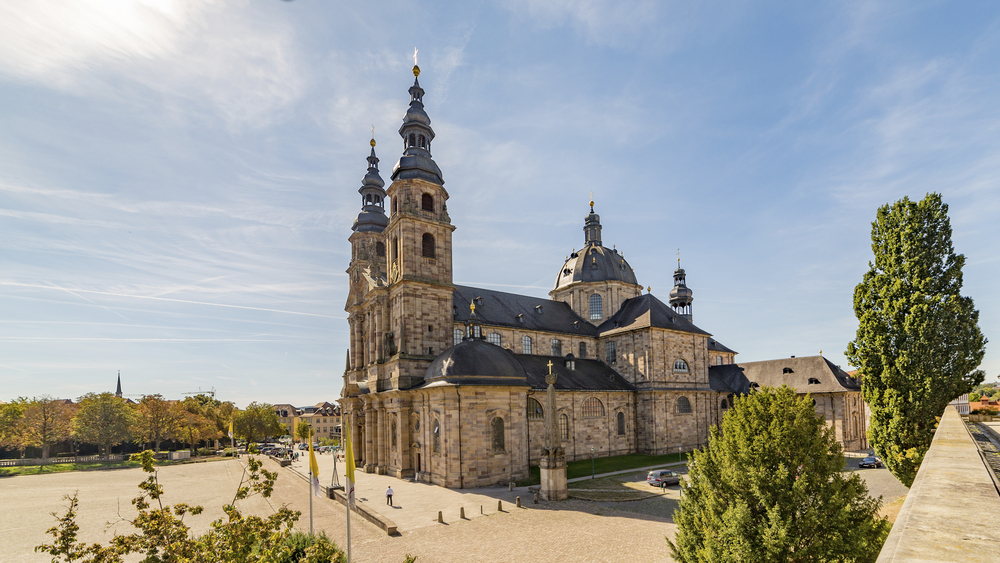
{"points": [[681, 296], [592, 226], [417, 135], [372, 217], [118, 392]]}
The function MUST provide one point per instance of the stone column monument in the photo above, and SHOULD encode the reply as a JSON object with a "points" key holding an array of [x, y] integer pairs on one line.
{"points": [[553, 463]]}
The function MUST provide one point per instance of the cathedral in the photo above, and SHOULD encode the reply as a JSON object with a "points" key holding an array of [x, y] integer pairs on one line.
{"points": [[445, 383]]}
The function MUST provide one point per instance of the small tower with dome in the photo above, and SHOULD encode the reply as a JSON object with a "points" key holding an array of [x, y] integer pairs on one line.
{"points": [[681, 295]]}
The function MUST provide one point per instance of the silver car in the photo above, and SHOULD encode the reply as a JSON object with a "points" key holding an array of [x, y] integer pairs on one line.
{"points": [[663, 477]]}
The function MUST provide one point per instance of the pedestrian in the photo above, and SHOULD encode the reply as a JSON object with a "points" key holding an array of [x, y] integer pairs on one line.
{"points": [[388, 495]]}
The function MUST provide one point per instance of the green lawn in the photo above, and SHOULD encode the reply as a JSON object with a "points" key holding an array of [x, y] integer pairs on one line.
{"points": [[61, 467], [582, 467]]}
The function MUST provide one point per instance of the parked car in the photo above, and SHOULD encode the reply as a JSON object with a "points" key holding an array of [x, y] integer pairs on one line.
{"points": [[870, 461], [661, 477]]}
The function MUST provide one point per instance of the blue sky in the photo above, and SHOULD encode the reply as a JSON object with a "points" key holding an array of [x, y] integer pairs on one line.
{"points": [[178, 178]]}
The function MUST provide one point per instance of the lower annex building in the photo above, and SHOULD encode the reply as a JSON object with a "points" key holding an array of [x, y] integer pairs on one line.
{"points": [[444, 383]]}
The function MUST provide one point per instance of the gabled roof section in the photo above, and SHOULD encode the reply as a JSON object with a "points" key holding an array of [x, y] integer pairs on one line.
{"points": [[646, 311], [519, 311], [715, 346], [588, 375], [728, 378], [797, 374]]}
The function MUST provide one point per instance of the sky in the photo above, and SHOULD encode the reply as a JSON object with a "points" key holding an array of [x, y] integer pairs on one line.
{"points": [[178, 178]]}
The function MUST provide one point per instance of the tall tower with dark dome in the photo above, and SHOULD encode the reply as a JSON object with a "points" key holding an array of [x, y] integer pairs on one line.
{"points": [[681, 295], [595, 280]]}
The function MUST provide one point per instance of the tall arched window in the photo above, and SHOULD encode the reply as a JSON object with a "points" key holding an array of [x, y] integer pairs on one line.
{"points": [[437, 436], [494, 338], [612, 353], [420, 141], [593, 407], [535, 409], [427, 202], [380, 249], [621, 423], [427, 245], [526, 345], [563, 427], [583, 350], [498, 435], [392, 431], [459, 336], [412, 140], [681, 365], [395, 248], [596, 307], [683, 405], [556, 347]]}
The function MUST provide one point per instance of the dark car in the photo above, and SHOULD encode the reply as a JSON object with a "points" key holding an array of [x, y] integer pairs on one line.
{"points": [[661, 477], [870, 461]]}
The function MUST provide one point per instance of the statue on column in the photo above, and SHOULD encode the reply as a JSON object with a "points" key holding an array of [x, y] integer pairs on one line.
{"points": [[553, 463]]}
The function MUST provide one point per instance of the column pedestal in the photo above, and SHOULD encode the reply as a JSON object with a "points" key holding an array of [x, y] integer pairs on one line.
{"points": [[553, 472]]}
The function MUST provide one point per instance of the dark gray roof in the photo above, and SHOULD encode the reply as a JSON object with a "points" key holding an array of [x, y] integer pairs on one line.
{"points": [[592, 375], [475, 362], [503, 309], [715, 346], [595, 263], [728, 378], [646, 311], [793, 372]]}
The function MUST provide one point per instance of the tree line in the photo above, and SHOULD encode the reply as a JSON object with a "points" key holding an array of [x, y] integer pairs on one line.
{"points": [[106, 421]]}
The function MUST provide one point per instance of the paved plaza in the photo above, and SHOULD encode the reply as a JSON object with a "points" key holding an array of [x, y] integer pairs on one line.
{"points": [[573, 530]]}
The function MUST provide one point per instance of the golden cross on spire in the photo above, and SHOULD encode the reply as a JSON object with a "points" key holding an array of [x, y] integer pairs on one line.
{"points": [[550, 367]]}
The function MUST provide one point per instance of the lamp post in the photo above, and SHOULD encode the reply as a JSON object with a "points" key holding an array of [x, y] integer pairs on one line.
{"points": [[592, 472]]}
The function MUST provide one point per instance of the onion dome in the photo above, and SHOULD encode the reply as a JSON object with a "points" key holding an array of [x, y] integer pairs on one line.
{"points": [[372, 217], [417, 135], [594, 262], [681, 295]]}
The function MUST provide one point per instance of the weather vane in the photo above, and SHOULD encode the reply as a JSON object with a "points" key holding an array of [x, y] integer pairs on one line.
{"points": [[416, 69]]}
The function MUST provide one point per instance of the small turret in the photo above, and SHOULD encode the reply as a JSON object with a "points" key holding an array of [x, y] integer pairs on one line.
{"points": [[372, 217], [681, 296]]}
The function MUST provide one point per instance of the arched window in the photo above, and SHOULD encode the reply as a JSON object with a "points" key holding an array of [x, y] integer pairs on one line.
{"points": [[592, 408], [563, 427], [392, 431], [427, 245], [556, 347], [724, 404], [596, 307], [394, 204], [525, 344], [395, 248], [535, 409], [612, 353], [420, 141], [621, 423], [683, 405], [813, 381], [493, 338], [718, 360], [681, 365], [380, 249], [459, 336], [427, 202], [498, 438], [583, 350], [412, 140], [437, 436]]}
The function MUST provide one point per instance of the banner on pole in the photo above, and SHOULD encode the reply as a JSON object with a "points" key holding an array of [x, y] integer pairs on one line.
{"points": [[314, 471], [349, 455]]}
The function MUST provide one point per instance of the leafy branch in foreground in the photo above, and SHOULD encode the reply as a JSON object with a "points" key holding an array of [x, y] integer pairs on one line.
{"points": [[163, 537]]}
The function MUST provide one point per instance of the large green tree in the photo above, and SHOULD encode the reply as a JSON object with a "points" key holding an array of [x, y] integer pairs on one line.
{"points": [[770, 487], [46, 422], [11, 424], [256, 422], [918, 342], [158, 419], [105, 420]]}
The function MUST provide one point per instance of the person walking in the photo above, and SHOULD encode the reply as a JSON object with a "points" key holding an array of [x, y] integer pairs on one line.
{"points": [[388, 496]]}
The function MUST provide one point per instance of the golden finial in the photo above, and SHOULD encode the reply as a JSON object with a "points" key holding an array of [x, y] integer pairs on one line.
{"points": [[416, 69], [820, 352], [591, 201], [372, 143], [649, 289], [678, 258], [472, 306]]}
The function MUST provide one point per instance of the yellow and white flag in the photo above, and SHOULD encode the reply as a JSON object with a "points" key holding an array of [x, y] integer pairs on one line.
{"points": [[314, 471], [349, 455], [230, 429]]}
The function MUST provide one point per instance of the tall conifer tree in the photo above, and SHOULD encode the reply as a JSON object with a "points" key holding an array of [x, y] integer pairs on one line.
{"points": [[918, 342]]}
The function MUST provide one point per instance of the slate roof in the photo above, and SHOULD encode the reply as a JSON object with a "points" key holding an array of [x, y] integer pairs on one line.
{"points": [[715, 346], [646, 311], [729, 379], [773, 373], [502, 309], [595, 263], [475, 362], [592, 375]]}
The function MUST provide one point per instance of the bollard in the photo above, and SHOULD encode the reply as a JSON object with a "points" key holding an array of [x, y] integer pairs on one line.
{"points": [[499, 506], [461, 513], [536, 498], [518, 503], [440, 518], [481, 509]]}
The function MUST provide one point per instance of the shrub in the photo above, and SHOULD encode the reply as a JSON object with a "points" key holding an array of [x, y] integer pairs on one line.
{"points": [[204, 451], [986, 410]]}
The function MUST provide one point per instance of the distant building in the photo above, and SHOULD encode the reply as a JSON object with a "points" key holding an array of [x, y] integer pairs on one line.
{"points": [[962, 404], [323, 417]]}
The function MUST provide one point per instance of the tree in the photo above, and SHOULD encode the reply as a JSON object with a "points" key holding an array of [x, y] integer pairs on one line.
{"points": [[105, 420], [303, 431], [974, 397], [256, 422], [11, 424], [46, 422], [157, 420], [197, 423], [771, 487], [918, 342]]}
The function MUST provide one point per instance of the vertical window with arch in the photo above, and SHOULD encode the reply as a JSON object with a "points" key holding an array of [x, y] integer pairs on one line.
{"points": [[411, 140], [593, 408], [436, 430], [395, 248], [427, 245], [535, 411], [394, 204], [621, 423], [380, 249], [496, 427], [392, 431], [525, 344], [596, 307], [583, 350], [612, 352], [420, 141], [563, 427], [683, 406], [556, 347], [459, 336], [494, 338], [427, 202]]}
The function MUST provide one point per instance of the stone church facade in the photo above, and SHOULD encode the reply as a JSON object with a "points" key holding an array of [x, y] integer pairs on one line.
{"points": [[445, 383]]}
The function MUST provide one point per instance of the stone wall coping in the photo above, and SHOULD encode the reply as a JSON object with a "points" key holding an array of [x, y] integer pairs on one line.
{"points": [[951, 511]]}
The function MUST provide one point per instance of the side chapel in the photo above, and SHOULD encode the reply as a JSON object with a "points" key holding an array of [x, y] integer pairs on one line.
{"points": [[445, 383]]}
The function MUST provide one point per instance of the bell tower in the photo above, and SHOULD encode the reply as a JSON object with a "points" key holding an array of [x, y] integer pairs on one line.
{"points": [[419, 252], [681, 295]]}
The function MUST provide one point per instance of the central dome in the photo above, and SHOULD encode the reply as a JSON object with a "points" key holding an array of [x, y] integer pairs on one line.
{"points": [[595, 263]]}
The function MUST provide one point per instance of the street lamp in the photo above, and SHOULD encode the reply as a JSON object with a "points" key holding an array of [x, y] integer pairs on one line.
{"points": [[592, 475]]}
